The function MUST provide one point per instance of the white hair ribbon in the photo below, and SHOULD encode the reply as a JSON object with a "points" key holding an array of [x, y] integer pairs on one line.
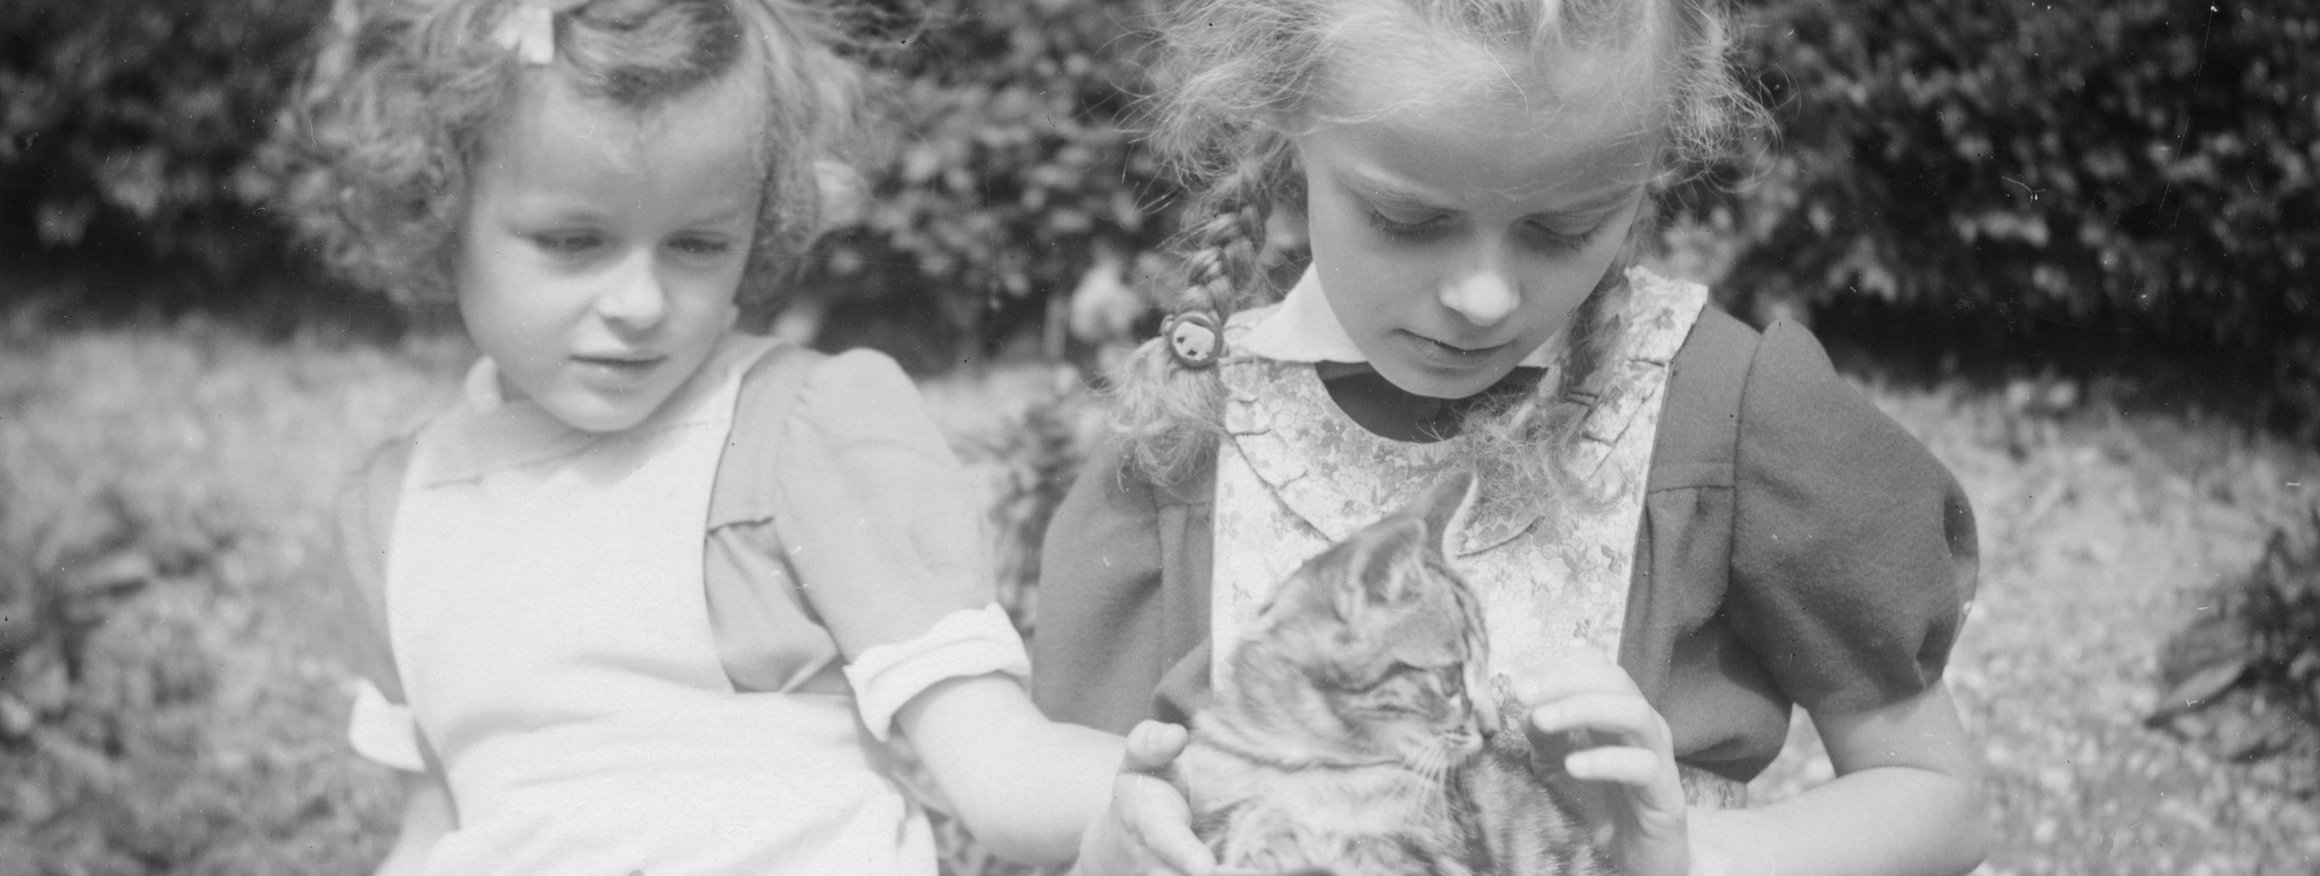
{"points": [[844, 194], [529, 29]]}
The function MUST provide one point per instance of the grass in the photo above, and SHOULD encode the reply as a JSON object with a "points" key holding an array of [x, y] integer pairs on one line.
{"points": [[165, 706], [162, 523]]}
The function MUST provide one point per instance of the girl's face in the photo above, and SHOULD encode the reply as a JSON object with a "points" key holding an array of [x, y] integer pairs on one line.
{"points": [[602, 247], [1455, 233]]}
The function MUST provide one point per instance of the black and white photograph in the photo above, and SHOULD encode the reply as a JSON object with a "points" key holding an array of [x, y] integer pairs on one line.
{"points": [[1159, 438]]}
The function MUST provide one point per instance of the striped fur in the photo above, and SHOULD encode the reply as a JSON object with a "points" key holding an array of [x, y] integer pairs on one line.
{"points": [[1359, 736]]}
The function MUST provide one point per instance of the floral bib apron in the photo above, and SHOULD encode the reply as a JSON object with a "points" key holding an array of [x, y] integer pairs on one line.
{"points": [[1297, 474]]}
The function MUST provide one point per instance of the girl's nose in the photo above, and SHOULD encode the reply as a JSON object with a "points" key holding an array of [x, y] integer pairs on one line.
{"points": [[634, 298], [1483, 297]]}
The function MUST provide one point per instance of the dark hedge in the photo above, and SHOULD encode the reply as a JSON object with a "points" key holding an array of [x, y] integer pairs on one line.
{"points": [[2135, 175], [2130, 174]]}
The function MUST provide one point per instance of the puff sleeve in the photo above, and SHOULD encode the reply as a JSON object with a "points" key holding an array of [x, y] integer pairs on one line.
{"points": [[1853, 550], [884, 530], [1105, 607]]}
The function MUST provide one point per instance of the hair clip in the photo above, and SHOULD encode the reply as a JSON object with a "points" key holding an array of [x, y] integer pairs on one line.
{"points": [[529, 29], [1194, 337]]}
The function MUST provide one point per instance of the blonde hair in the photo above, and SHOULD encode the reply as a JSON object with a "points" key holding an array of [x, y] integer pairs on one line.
{"points": [[1240, 76], [403, 99]]}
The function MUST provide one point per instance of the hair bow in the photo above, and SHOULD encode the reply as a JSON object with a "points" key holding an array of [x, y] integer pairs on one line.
{"points": [[529, 29]]}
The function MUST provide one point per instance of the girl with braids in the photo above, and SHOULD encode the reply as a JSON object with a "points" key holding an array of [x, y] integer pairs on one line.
{"points": [[652, 596], [1686, 526]]}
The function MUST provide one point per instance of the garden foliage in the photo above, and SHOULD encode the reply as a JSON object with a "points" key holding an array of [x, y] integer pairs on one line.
{"points": [[2244, 679], [2141, 172], [163, 505], [138, 126], [1015, 173], [2138, 172]]}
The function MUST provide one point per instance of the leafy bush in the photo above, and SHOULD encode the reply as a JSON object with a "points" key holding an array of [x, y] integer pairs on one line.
{"points": [[2280, 603], [2138, 174], [132, 126], [162, 500], [2141, 170], [1030, 458], [2244, 679], [1013, 176]]}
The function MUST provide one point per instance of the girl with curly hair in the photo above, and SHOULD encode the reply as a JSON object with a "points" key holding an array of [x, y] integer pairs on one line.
{"points": [[654, 596]]}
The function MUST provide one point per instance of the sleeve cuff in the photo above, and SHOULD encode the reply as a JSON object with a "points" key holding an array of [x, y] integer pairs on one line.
{"points": [[384, 731], [965, 643]]}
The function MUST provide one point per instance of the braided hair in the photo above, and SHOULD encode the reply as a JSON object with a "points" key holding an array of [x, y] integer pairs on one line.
{"points": [[1237, 75]]}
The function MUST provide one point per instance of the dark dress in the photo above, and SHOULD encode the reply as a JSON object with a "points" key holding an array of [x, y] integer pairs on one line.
{"points": [[1797, 546]]}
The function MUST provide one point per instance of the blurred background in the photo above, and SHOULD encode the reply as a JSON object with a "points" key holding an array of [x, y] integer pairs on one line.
{"points": [[2068, 244]]}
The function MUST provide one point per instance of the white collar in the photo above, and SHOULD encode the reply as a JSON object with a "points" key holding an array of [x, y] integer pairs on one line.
{"points": [[482, 388], [1303, 328]]}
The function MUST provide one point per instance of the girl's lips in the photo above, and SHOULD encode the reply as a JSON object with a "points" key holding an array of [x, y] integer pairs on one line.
{"points": [[1449, 355], [617, 369]]}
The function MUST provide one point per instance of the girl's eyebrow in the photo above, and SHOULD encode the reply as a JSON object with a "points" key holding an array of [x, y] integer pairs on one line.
{"points": [[1377, 188], [1606, 199], [1395, 193]]}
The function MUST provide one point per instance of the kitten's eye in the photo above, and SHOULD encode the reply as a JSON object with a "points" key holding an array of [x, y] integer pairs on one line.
{"points": [[1406, 674], [1359, 679]]}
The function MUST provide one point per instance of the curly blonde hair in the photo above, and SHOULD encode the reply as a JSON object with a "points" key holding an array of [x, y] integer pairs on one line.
{"points": [[404, 95], [1240, 77]]}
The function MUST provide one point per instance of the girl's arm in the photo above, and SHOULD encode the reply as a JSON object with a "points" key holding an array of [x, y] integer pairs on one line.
{"points": [[1024, 786], [1045, 792], [882, 527], [427, 817], [1907, 799]]}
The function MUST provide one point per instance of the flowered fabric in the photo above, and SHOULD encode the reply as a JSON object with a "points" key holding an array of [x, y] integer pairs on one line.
{"points": [[1298, 474]]}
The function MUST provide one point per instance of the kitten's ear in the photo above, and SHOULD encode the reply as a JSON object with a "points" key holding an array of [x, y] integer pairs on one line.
{"points": [[1445, 506], [1383, 556]]}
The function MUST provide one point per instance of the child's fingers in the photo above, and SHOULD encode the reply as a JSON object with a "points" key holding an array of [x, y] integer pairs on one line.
{"points": [[1158, 815], [1651, 797], [1153, 746], [1584, 671], [1155, 824], [1637, 768], [1174, 849], [1612, 717]]}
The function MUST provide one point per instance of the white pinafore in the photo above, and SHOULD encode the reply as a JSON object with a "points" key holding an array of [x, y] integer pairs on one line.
{"points": [[547, 612], [1297, 474]]}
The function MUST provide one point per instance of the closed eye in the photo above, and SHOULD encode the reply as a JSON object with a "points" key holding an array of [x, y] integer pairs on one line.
{"points": [[1577, 225], [1452, 680], [1425, 228], [702, 245], [1548, 237], [1374, 680], [567, 243]]}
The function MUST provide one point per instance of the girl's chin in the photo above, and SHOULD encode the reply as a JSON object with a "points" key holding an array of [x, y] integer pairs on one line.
{"points": [[1439, 382], [589, 413]]}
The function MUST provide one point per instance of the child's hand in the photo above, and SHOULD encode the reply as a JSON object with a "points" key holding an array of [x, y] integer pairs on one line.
{"points": [[1589, 719], [1148, 829]]}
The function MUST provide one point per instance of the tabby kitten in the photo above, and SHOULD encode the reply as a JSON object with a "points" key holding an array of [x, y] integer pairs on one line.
{"points": [[1356, 734]]}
